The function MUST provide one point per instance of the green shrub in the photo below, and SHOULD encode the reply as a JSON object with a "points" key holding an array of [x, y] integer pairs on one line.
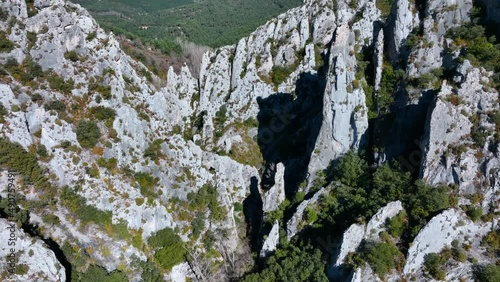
{"points": [[311, 215], [36, 97], [383, 257], [71, 55], [433, 265], [492, 241], [205, 198], [91, 36], [104, 90], [4, 15], [147, 184], [220, 119], [389, 182], [139, 201], [109, 164], [422, 201], [198, 224], [477, 48], [87, 134], [5, 44], [474, 213], [14, 157], [22, 269], [397, 225], [42, 151], [15, 108], [459, 254], [103, 113], [154, 151], [56, 105], [31, 39], [51, 219], [59, 84], [238, 207], [489, 273], [150, 272], [17, 214], [280, 73], [86, 213], [3, 113], [384, 6], [98, 273], [390, 79], [169, 248]]}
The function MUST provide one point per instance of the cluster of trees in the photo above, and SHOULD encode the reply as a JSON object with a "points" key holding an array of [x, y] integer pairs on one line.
{"points": [[14, 157], [98, 273], [292, 263], [86, 213], [360, 192], [169, 248], [87, 134]]}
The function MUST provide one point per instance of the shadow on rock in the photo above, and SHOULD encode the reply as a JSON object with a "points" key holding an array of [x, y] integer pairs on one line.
{"points": [[289, 124]]}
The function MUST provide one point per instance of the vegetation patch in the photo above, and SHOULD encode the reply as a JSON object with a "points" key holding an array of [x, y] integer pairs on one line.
{"points": [[5, 44], [87, 134], [384, 6], [292, 263], [206, 198], [169, 248]]}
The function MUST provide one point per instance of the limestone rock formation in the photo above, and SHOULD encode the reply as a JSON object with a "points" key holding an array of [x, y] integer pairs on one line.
{"points": [[212, 156], [33, 260]]}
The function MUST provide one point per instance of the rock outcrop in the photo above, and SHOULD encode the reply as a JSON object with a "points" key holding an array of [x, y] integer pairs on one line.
{"points": [[266, 114], [33, 260]]}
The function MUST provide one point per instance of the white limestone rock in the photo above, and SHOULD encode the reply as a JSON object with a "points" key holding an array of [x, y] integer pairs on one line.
{"points": [[41, 262], [271, 241], [276, 195], [439, 233], [293, 226], [377, 222], [351, 240]]}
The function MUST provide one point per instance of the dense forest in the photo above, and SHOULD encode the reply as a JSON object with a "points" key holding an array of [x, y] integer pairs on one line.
{"points": [[211, 23]]}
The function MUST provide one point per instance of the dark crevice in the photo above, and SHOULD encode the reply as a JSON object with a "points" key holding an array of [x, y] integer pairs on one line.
{"points": [[34, 232], [252, 209]]}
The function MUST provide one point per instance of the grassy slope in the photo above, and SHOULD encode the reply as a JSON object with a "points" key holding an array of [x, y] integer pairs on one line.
{"points": [[211, 22]]}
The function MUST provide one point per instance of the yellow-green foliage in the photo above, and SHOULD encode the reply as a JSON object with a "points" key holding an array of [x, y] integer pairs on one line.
{"points": [[147, 184], [205, 198], [384, 6], [247, 152]]}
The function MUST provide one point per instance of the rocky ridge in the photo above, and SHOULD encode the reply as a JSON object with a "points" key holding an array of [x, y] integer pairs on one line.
{"points": [[304, 61]]}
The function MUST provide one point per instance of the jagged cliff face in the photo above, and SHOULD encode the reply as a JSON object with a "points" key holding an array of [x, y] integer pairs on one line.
{"points": [[295, 76]]}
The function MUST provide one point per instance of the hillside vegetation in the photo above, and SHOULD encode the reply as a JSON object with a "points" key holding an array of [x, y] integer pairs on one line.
{"points": [[212, 23]]}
